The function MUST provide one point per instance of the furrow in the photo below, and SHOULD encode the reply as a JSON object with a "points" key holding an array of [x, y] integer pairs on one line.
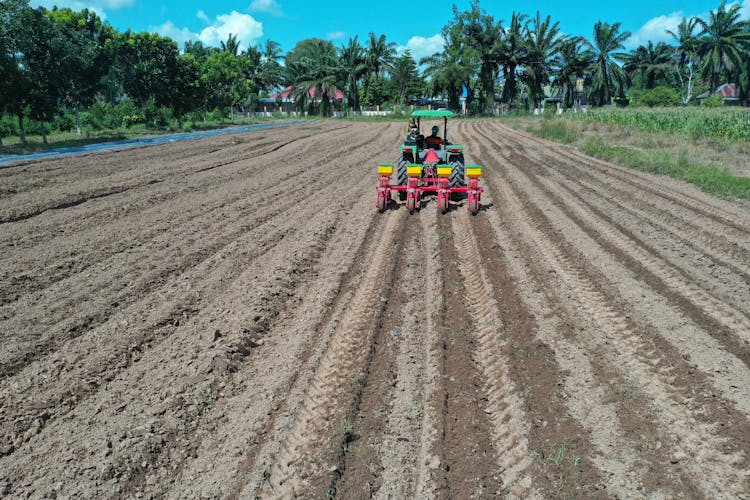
{"points": [[715, 470], [504, 407], [348, 349]]}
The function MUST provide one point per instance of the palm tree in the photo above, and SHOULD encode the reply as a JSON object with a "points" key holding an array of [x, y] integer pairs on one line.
{"points": [[232, 45], [512, 54], [353, 62], [317, 72], [542, 42], [570, 64], [606, 72], [686, 55], [649, 61], [721, 43], [380, 54], [445, 74]]}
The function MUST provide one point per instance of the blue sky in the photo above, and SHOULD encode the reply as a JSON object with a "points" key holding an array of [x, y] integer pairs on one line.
{"points": [[288, 21]]}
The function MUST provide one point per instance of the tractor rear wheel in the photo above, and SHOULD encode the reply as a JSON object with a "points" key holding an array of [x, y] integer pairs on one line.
{"points": [[457, 178], [401, 176]]}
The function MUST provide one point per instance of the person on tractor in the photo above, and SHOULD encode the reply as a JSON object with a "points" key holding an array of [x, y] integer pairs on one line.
{"points": [[434, 141]]}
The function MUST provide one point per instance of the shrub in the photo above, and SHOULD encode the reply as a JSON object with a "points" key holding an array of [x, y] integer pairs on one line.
{"points": [[660, 96], [713, 101], [8, 126]]}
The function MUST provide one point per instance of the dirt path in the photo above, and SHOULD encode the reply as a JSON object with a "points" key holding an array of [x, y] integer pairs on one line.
{"points": [[231, 317]]}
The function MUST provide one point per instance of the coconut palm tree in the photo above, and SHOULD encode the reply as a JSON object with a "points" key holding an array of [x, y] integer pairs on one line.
{"points": [[542, 41], [722, 40], [512, 54], [380, 54], [232, 45], [606, 73], [353, 62]]}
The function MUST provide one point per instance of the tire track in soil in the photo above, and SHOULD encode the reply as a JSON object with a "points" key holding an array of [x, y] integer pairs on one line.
{"points": [[612, 423], [461, 462], [674, 264], [146, 336], [723, 358], [328, 293], [358, 189], [410, 434], [310, 182], [715, 469], [728, 325], [303, 460]]}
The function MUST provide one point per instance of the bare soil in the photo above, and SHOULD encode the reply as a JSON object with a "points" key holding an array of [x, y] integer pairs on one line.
{"points": [[231, 317]]}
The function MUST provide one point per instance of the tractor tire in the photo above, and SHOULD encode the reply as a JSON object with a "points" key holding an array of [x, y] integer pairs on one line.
{"points": [[458, 172], [457, 179], [401, 176]]}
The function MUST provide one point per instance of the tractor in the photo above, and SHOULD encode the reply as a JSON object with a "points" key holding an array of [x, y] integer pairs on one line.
{"points": [[426, 167]]}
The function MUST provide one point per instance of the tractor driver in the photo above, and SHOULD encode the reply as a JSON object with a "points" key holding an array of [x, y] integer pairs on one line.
{"points": [[434, 141]]}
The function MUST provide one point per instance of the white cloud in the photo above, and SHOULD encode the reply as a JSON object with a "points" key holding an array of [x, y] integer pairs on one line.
{"points": [[244, 26], [655, 30], [266, 6], [336, 35], [420, 46], [203, 17], [179, 35]]}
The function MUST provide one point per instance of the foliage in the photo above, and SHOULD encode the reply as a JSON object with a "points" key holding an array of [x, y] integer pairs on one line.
{"points": [[660, 96], [713, 101], [726, 123]]}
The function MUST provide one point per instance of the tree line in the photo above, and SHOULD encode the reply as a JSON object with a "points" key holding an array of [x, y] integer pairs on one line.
{"points": [[63, 68]]}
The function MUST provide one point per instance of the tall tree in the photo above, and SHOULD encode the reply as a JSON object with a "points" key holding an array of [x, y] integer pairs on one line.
{"points": [[232, 45], [543, 41], [685, 56], [380, 54], [607, 74], [146, 64], [480, 38], [722, 40], [512, 55], [88, 60], [570, 64], [649, 61], [404, 77], [353, 63], [316, 72], [14, 75]]}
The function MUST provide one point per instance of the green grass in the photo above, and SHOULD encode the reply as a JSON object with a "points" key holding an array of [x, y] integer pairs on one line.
{"points": [[709, 178], [694, 122], [663, 150]]}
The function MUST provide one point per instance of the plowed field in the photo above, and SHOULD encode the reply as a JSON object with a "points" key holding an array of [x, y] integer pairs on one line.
{"points": [[231, 317]]}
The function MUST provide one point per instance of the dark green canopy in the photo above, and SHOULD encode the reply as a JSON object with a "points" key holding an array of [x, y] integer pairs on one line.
{"points": [[432, 113]]}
